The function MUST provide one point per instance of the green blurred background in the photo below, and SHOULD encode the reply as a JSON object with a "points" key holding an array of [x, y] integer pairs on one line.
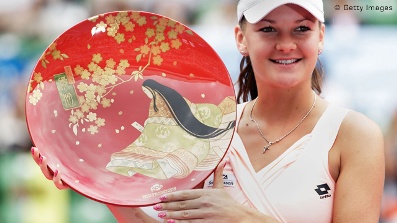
{"points": [[360, 60]]}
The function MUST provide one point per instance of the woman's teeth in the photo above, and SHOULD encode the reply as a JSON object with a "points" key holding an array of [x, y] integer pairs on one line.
{"points": [[286, 62]]}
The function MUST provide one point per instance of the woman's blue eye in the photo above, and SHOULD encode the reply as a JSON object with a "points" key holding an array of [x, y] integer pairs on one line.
{"points": [[302, 29]]}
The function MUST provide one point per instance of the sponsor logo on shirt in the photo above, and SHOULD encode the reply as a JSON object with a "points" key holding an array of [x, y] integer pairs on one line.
{"points": [[228, 180], [322, 191]]}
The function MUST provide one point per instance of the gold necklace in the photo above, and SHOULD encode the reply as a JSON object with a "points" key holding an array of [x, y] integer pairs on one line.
{"points": [[265, 148]]}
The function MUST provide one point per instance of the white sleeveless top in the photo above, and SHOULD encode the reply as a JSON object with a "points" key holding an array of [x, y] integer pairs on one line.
{"points": [[297, 186]]}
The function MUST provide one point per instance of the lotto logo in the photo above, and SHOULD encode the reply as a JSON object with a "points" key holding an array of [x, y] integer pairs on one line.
{"points": [[322, 190]]}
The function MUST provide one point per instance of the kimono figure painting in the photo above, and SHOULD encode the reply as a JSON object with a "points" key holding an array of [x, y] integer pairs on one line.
{"points": [[178, 136]]}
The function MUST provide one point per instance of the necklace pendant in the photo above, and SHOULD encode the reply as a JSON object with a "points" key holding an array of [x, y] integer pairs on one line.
{"points": [[266, 148]]}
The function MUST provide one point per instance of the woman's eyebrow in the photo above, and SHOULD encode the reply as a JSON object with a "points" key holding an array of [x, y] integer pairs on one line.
{"points": [[304, 19], [269, 21]]}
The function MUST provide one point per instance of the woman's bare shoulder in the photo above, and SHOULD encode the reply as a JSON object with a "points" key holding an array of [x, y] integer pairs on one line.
{"points": [[362, 165], [360, 134]]}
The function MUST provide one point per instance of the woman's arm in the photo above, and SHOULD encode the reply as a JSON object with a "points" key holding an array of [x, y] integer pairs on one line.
{"points": [[359, 186]]}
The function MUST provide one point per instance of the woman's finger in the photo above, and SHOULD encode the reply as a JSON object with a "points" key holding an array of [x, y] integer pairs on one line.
{"points": [[58, 181], [177, 205], [188, 215], [218, 175], [44, 167], [35, 155], [183, 195], [42, 162]]}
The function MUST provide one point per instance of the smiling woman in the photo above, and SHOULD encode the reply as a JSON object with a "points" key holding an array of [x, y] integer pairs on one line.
{"points": [[317, 155], [302, 28], [295, 38], [317, 168]]}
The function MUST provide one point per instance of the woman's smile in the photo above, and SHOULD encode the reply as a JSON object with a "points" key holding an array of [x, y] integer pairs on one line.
{"points": [[285, 61]]}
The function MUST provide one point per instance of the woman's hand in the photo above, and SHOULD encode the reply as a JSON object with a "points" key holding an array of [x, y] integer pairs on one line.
{"points": [[204, 205], [42, 162]]}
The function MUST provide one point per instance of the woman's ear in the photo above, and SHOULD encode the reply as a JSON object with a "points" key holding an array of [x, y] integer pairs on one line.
{"points": [[321, 43], [240, 40]]}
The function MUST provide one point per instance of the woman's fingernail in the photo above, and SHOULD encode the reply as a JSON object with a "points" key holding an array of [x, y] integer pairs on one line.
{"points": [[55, 173], [40, 159], [163, 198], [162, 215], [170, 221], [157, 207], [32, 151]]}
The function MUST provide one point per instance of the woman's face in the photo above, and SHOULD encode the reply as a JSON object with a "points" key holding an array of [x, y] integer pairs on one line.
{"points": [[283, 46], [147, 92]]}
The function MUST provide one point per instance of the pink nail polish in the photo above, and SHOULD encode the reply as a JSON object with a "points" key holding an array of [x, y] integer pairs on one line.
{"points": [[157, 207], [170, 221], [41, 160], [162, 215], [55, 173], [32, 151], [163, 198]]}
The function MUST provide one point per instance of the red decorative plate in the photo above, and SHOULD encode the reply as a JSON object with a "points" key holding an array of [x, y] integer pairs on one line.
{"points": [[129, 106]]}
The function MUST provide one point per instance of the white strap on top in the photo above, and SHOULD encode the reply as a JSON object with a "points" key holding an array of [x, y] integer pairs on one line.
{"points": [[326, 129]]}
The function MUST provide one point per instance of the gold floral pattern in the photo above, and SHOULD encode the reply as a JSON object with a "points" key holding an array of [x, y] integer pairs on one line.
{"points": [[161, 35], [36, 93], [54, 52]]}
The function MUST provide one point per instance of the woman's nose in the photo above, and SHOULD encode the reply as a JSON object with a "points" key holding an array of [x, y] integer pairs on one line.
{"points": [[285, 44]]}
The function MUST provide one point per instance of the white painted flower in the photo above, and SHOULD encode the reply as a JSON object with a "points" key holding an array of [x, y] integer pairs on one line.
{"points": [[199, 148], [162, 132], [91, 116], [218, 120], [82, 87], [33, 100], [93, 129], [35, 97], [141, 141], [204, 112], [169, 147]]}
